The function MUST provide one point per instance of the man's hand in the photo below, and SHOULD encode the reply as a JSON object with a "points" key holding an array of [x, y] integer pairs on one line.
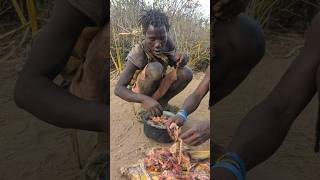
{"points": [[226, 9], [175, 119], [197, 134], [152, 106], [182, 60]]}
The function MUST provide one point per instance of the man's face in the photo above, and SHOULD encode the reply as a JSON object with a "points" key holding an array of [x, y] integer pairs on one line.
{"points": [[156, 38]]}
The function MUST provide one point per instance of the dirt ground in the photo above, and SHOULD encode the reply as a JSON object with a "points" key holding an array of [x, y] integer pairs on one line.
{"points": [[128, 141], [295, 159]]}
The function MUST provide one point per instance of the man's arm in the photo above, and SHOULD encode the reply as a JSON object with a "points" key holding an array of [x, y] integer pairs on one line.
{"points": [[35, 90], [269, 122], [193, 100], [121, 89], [123, 92]]}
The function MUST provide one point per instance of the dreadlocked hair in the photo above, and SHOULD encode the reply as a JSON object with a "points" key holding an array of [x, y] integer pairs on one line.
{"points": [[155, 18]]}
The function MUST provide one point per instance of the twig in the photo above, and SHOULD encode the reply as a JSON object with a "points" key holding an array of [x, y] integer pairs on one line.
{"points": [[75, 145], [144, 170], [5, 58], [19, 12], [123, 28], [32, 13], [23, 39], [4, 11], [13, 31], [293, 51], [13, 49], [180, 151]]}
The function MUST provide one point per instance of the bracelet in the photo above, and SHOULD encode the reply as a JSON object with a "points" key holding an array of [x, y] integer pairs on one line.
{"points": [[235, 171], [235, 159], [233, 162], [183, 114]]}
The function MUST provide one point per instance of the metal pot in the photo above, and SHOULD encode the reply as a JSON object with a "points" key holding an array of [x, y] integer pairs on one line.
{"points": [[157, 132]]}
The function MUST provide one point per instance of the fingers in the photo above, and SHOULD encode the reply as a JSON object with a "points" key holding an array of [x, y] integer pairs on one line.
{"points": [[198, 141], [192, 138], [159, 110], [179, 121], [178, 59], [156, 111], [217, 10], [187, 134], [228, 9], [184, 58], [176, 119], [151, 112], [168, 123], [219, 7]]}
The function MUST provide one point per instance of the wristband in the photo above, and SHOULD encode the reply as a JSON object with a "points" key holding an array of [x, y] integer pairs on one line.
{"points": [[235, 159], [183, 114], [230, 167]]}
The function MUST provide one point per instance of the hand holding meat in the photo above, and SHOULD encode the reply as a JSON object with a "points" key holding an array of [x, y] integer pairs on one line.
{"points": [[197, 134], [152, 106], [181, 60], [175, 119]]}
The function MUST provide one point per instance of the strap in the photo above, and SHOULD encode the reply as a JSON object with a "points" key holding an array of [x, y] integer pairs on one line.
{"points": [[236, 172], [235, 158], [183, 114]]}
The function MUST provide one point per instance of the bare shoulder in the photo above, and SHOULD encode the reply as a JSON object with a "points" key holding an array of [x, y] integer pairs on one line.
{"points": [[137, 56]]}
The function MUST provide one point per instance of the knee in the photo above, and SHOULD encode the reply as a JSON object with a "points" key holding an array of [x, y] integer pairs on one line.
{"points": [[253, 37], [154, 70], [185, 74], [243, 37]]}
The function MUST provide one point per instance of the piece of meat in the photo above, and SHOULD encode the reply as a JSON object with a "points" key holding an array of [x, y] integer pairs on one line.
{"points": [[173, 163]]}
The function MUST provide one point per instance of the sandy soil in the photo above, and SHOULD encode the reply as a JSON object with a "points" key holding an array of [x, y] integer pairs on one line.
{"points": [[295, 159], [128, 141]]}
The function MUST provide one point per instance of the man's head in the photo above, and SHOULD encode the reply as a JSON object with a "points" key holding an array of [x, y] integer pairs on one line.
{"points": [[155, 27]]}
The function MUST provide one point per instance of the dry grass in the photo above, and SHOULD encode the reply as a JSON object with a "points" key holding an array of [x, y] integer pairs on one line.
{"points": [[283, 14]]}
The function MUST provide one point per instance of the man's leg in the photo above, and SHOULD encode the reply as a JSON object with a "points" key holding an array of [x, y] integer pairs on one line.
{"points": [[184, 76], [88, 82], [239, 47], [152, 75]]}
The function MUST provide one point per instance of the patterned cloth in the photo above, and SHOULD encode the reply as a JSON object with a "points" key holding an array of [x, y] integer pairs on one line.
{"points": [[84, 73]]}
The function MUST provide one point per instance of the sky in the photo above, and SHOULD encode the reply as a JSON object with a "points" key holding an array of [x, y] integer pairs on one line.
{"points": [[205, 7]]}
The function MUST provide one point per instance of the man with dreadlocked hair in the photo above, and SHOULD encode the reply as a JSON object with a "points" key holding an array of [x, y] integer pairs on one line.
{"points": [[146, 67]]}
